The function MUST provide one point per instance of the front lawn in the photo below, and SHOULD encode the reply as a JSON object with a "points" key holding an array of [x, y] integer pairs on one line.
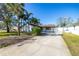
{"points": [[5, 34], [72, 41], [7, 39]]}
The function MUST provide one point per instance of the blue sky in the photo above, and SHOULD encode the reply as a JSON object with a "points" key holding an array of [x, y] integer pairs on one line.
{"points": [[48, 13]]}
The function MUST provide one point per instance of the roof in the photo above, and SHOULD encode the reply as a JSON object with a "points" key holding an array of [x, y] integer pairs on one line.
{"points": [[48, 25]]}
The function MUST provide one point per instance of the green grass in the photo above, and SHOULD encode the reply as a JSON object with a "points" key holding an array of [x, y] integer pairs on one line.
{"points": [[5, 34], [72, 41], [6, 41]]}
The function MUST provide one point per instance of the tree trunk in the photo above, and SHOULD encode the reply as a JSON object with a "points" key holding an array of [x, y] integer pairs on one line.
{"points": [[63, 28], [19, 29], [28, 28], [74, 27], [8, 30], [67, 28]]}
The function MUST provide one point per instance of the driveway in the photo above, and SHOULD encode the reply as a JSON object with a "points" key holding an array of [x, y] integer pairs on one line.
{"points": [[38, 46]]}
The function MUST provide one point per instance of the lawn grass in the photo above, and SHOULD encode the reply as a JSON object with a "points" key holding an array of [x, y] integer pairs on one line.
{"points": [[72, 41], [5, 34], [7, 39]]}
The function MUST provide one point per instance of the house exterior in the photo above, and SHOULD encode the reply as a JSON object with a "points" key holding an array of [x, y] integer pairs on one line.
{"points": [[45, 28], [48, 28]]}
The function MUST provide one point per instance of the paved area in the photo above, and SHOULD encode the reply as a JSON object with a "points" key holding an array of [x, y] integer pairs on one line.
{"points": [[39, 46]]}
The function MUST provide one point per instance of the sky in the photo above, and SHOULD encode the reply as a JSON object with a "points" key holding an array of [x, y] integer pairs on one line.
{"points": [[48, 13]]}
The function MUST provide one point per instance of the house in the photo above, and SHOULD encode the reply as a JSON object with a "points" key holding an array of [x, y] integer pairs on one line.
{"points": [[45, 28], [48, 28]]}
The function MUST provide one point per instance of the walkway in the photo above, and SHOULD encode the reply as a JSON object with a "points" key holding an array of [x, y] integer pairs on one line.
{"points": [[40, 46]]}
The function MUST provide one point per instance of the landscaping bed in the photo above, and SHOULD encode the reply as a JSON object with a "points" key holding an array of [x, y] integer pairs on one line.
{"points": [[13, 40], [72, 41]]}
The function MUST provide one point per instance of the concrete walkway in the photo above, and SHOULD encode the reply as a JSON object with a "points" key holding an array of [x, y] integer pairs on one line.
{"points": [[41, 46]]}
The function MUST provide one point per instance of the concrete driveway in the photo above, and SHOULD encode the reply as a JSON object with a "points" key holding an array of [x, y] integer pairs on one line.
{"points": [[39, 46]]}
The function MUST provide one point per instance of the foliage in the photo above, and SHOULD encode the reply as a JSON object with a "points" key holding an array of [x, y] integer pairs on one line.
{"points": [[5, 15], [77, 22], [65, 22], [34, 21], [18, 10], [2, 25], [36, 30], [14, 14]]}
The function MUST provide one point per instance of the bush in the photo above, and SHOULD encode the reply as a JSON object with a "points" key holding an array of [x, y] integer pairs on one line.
{"points": [[36, 30]]}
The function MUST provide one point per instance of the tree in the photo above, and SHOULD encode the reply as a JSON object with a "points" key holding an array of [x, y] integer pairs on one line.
{"points": [[26, 16], [17, 10], [77, 22], [69, 22], [28, 19], [74, 24], [34, 21], [5, 15], [2, 25], [63, 22]]}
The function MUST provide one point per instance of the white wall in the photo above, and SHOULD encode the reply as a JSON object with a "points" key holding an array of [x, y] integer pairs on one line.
{"points": [[70, 29]]}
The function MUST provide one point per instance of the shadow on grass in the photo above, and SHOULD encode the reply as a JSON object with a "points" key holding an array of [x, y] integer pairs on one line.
{"points": [[4, 42]]}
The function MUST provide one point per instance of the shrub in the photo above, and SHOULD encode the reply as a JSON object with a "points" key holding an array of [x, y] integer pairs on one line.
{"points": [[36, 30]]}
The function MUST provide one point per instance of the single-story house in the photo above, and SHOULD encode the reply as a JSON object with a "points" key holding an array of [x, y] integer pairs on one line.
{"points": [[45, 28]]}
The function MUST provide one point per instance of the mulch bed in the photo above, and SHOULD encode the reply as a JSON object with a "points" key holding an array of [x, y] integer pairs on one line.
{"points": [[13, 40]]}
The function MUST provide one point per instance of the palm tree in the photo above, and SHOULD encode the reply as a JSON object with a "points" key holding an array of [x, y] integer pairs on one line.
{"points": [[17, 10], [6, 15], [34, 21], [27, 18]]}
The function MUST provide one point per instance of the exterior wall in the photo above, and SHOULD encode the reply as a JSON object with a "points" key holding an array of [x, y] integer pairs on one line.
{"points": [[70, 29], [49, 30], [27, 28], [46, 28]]}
